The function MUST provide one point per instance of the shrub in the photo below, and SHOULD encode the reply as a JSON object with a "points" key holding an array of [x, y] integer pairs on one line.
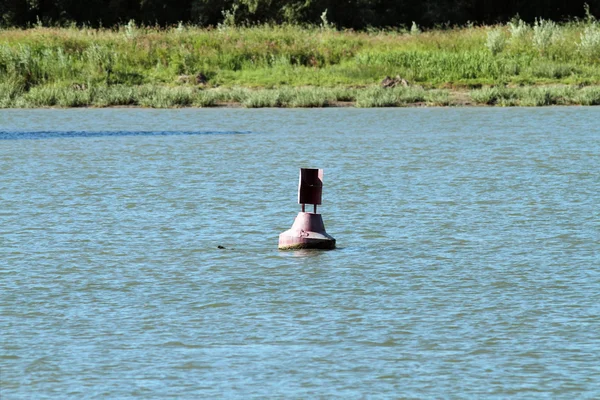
{"points": [[115, 96], [552, 70], [262, 98], [536, 97], [9, 92], [589, 45], [377, 97], [311, 97], [487, 96], [164, 97], [131, 30], [437, 98], [518, 31], [589, 96], [205, 99], [545, 33], [414, 29], [495, 41]]}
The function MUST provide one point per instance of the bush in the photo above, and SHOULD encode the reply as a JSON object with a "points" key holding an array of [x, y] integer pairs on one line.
{"points": [[165, 97], [312, 97], [377, 97], [518, 31], [536, 97], [495, 41], [262, 98], [545, 33], [487, 96], [589, 96], [9, 92], [437, 98], [589, 45]]}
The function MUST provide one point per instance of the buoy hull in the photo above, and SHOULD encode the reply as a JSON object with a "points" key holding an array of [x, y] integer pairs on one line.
{"points": [[307, 232]]}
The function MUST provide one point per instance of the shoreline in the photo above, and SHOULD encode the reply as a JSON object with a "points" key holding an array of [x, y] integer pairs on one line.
{"points": [[169, 97], [237, 106], [292, 66]]}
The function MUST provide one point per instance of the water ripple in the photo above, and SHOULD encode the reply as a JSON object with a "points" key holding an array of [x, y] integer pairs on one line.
{"points": [[468, 262], [19, 135]]}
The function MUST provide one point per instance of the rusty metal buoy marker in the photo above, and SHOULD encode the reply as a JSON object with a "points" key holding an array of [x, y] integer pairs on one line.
{"points": [[308, 230]]}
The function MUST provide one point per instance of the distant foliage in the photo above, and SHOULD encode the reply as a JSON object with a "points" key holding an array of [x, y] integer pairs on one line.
{"points": [[354, 14]]}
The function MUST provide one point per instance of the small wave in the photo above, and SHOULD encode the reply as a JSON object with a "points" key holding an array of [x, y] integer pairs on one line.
{"points": [[192, 365], [19, 135], [212, 305], [177, 343]]}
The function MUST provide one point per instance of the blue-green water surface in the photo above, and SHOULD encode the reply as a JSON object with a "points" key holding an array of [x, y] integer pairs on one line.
{"points": [[468, 262]]}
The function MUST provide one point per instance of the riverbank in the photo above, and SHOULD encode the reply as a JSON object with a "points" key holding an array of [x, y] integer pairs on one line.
{"points": [[301, 97], [290, 66]]}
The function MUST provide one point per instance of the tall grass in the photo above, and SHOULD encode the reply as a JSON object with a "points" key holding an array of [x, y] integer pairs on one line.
{"points": [[14, 96], [291, 55], [294, 66], [536, 96]]}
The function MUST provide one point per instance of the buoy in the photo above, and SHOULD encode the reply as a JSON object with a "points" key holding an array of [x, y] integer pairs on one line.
{"points": [[308, 230]]}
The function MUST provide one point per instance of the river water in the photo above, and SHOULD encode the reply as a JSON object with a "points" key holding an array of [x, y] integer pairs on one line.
{"points": [[468, 263]]}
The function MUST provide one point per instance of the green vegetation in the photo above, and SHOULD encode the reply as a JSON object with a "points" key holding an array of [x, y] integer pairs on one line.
{"points": [[348, 14], [291, 66], [167, 97]]}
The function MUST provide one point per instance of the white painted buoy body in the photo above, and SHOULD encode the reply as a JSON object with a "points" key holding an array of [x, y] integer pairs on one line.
{"points": [[307, 232]]}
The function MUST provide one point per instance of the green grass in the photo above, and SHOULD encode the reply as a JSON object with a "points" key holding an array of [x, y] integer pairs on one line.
{"points": [[537, 96], [15, 96], [292, 66]]}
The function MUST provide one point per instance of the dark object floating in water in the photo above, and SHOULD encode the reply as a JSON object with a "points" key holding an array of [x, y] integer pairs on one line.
{"points": [[16, 135], [308, 230], [220, 247]]}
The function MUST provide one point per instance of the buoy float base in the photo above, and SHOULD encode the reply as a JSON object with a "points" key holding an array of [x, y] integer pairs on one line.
{"points": [[307, 232]]}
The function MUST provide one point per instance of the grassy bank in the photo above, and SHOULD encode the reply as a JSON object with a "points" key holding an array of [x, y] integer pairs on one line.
{"points": [[291, 66], [372, 96]]}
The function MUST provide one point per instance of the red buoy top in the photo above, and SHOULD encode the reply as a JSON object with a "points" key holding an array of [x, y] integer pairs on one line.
{"points": [[310, 188]]}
